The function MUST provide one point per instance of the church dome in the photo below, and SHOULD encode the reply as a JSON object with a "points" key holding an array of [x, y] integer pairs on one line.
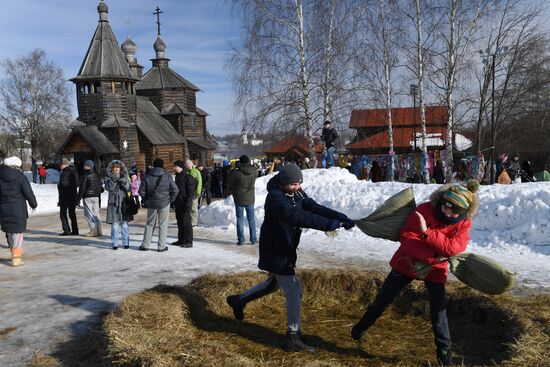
{"points": [[129, 47], [159, 45], [102, 7]]}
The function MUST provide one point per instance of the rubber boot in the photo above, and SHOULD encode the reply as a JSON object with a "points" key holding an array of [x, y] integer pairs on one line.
{"points": [[237, 305], [358, 329], [444, 356], [295, 343], [16, 261]]}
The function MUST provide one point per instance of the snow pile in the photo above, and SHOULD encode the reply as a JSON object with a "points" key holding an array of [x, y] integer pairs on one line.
{"points": [[518, 213], [51, 178]]}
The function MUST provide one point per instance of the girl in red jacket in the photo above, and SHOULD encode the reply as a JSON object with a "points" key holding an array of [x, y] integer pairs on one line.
{"points": [[436, 230]]}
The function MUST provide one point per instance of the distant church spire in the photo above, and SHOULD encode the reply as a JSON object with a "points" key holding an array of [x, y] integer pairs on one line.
{"points": [[103, 10], [159, 45]]}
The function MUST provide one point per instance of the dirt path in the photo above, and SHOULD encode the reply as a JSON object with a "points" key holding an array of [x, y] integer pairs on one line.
{"points": [[68, 282]]}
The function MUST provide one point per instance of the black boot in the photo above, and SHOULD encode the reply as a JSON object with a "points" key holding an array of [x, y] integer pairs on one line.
{"points": [[358, 329], [237, 305], [295, 343], [444, 356]]}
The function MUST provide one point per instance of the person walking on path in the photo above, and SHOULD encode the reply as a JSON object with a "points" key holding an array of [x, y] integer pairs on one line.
{"points": [[89, 191], [42, 174], [15, 193], [435, 231], [287, 210], [68, 197], [329, 136], [187, 186], [159, 191], [195, 207], [240, 184], [117, 184]]}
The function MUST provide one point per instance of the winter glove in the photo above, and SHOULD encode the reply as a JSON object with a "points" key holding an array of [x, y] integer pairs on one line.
{"points": [[333, 225], [349, 224]]}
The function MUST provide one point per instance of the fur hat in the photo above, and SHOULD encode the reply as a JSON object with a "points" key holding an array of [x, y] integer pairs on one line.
{"points": [[290, 173], [13, 162], [66, 161], [460, 197]]}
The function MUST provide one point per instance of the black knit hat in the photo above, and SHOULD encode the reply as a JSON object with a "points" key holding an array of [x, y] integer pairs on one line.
{"points": [[244, 159], [290, 173], [180, 164], [158, 163]]}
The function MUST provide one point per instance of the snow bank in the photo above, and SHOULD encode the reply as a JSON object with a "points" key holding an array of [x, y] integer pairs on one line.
{"points": [[513, 224]]}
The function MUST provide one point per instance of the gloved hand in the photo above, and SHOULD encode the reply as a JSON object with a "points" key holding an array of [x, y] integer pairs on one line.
{"points": [[333, 225], [348, 224]]}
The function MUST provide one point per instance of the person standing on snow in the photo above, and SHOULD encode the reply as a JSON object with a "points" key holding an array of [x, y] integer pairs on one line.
{"points": [[435, 231], [15, 193], [329, 136], [240, 184], [159, 191], [187, 186], [42, 174], [117, 184], [195, 206], [89, 191], [68, 197], [287, 210]]}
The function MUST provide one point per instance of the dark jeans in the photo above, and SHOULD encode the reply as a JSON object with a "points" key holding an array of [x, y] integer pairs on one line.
{"points": [[393, 284], [185, 230], [65, 222]]}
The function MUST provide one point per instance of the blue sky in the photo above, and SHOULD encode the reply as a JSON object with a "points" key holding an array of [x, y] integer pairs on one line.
{"points": [[198, 35]]}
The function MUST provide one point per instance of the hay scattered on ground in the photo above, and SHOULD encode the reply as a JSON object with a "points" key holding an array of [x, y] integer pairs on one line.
{"points": [[193, 326]]}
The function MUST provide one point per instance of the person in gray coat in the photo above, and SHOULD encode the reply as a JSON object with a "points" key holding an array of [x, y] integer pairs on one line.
{"points": [[15, 193], [159, 190], [117, 184]]}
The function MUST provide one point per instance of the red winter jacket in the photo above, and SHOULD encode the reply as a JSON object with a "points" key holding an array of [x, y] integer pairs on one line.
{"points": [[42, 172], [442, 240]]}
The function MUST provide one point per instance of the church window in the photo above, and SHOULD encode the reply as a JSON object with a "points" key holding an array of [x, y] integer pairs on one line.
{"points": [[97, 87], [87, 88]]}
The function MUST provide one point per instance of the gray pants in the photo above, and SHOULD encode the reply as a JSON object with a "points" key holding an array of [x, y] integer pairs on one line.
{"points": [[292, 289], [91, 212], [154, 216], [195, 211]]}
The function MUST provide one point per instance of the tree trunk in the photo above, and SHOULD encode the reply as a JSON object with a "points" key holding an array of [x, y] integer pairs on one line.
{"points": [[387, 77], [420, 69], [450, 89], [328, 59]]}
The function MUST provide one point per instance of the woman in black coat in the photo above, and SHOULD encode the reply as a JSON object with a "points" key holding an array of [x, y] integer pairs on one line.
{"points": [[287, 210], [15, 192]]}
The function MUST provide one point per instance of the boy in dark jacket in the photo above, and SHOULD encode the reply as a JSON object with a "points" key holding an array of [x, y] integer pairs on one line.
{"points": [[435, 231], [187, 186], [287, 210], [15, 193]]}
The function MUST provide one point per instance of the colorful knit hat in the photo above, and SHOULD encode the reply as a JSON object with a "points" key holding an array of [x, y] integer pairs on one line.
{"points": [[460, 197]]}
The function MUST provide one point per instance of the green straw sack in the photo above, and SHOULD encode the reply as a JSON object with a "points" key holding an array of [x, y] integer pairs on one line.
{"points": [[481, 273], [386, 221]]}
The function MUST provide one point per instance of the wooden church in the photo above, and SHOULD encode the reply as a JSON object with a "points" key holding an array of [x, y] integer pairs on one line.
{"points": [[135, 117]]}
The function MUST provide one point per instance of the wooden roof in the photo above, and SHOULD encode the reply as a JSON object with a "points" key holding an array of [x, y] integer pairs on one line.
{"points": [[161, 77], [104, 59], [115, 121], [404, 116], [93, 137], [155, 128], [209, 145], [402, 138], [294, 142]]}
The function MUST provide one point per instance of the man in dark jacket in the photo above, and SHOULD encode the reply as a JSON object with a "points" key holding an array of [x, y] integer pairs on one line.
{"points": [[329, 135], [68, 197], [89, 191], [287, 210], [159, 191], [240, 184], [206, 185], [187, 186], [15, 193]]}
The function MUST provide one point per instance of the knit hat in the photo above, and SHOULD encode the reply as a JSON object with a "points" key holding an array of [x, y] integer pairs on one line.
{"points": [[189, 164], [458, 198], [244, 159], [290, 173], [89, 164], [158, 163], [179, 164], [12, 162]]}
